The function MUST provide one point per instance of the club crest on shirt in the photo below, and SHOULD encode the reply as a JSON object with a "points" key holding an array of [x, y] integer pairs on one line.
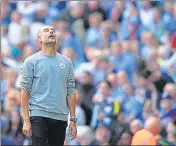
{"points": [[61, 65]]}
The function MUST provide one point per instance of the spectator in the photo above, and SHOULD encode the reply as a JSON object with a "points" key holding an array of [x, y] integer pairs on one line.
{"points": [[5, 44], [5, 11], [85, 136], [146, 14], [87, 91], [27, 51], [130, 106], [171, 24], [131, 25], [158, 78], [158, 25], [14, 128], [167, 16], [74, 15], [69, 52], [93, 6], [122, 79], [171, 134], [93, 34], [94, 67], [102, 135], [166, 107], [79, 111], [12, 99], [112, 79], [147, 110], [68, 40], [16, 42], [135, 126], [108, 35], [107, 109], [168, 65], [153, 124], [143, 137], [74, 11], [150, 45], [122, 60], [41, 12], [10, 79], [125, 138], [27, 10], [116, 14]]}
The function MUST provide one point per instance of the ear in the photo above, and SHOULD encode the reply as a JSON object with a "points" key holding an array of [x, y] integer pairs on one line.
{"points": [[39, 36]]}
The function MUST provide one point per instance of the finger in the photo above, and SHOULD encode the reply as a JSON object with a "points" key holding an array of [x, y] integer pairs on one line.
{"points": [[25, 132], [73, 134], [29, 133]]}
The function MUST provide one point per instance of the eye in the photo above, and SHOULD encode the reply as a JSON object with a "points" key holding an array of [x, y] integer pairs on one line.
{"points": [[46, 30], [54, 30]]}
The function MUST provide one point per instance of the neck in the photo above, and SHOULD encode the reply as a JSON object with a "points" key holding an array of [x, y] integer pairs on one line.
{"points": [[48, 49]]}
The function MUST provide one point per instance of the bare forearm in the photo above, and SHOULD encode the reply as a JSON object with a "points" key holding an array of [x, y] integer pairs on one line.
{"points": [[25, 104], [71, 98], [131, 117], [154, 100]]}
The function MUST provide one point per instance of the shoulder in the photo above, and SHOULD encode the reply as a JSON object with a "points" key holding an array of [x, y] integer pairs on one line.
{"points": [[64, 58], [32, 58]]}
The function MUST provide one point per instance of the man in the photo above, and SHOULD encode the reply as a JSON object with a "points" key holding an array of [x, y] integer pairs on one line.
{"points": [[167, 104], [147, 136], [84, 136], [135, 126], [151, 134], [154, 125], [47, 84]]}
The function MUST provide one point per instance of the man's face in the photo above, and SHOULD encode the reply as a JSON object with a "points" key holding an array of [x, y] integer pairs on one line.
{"points": [[105, 88], [86, 79], [135, 127], [93, 5], [166, 103], [47, 35], [126, 139]]}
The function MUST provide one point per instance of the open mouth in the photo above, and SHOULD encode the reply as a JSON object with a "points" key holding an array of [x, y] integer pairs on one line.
{"points": [[52, 37]]}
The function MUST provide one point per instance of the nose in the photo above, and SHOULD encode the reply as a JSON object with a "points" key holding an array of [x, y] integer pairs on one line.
{"points": [[52, 31]]}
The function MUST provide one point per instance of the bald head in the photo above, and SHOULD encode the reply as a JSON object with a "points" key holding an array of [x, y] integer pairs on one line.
{"points": [[168, 87], [171, 89], [153, 124]]}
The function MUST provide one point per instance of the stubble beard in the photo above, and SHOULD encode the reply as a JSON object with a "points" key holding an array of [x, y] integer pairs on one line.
{"points": [[50, 42]]}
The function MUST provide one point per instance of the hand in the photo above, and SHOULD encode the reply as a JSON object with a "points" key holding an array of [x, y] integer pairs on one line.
{"points": [[27, 130], [72, 130]]}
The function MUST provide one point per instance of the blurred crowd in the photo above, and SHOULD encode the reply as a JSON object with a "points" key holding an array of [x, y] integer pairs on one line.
{"points": [[125, 66]]}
